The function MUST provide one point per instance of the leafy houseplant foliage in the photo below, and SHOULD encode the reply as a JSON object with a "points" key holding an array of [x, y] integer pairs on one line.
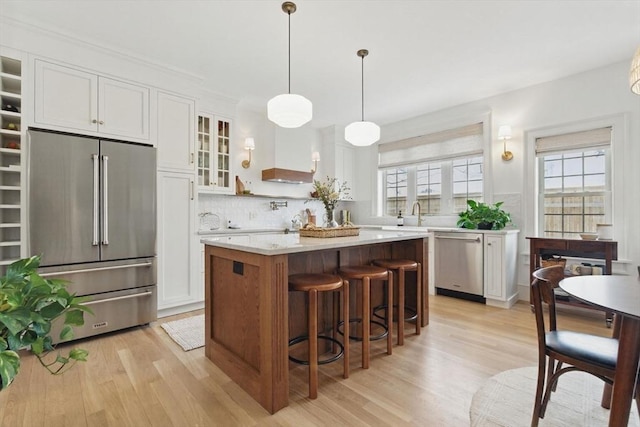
{"points": [[482, 215], [29, 304]]}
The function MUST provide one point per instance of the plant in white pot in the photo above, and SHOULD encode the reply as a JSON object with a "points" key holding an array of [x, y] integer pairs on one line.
{"points": [[29, 304]]}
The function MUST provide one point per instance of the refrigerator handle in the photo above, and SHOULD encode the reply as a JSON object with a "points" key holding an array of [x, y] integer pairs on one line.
{"points": [[105, 200], [96, 191]]}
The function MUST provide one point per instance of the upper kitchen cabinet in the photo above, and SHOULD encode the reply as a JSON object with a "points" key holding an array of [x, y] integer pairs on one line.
{"points": [[214, 154], [344, 163], [339, 158], [176, 129], [75, 100]]}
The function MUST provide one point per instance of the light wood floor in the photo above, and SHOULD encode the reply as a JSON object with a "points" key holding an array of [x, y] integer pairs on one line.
{"points": [[141, 378]]}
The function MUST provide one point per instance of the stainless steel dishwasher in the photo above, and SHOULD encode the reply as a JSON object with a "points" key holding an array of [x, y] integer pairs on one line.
{"points": [[459, 261]]}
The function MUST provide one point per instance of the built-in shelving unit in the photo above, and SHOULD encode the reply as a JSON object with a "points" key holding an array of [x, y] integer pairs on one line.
{"points": [[11, 138]]}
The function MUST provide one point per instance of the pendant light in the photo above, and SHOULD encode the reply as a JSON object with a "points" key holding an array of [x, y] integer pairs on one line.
{"points": [[362, 134], [289, 110]]}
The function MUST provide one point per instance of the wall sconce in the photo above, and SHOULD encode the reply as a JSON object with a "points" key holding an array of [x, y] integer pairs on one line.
{"points": [[249, 144], [504, 133], [315, 157]]}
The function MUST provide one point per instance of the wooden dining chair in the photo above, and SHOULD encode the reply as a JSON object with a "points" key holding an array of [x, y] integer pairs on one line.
{"points": [[576, 351]]}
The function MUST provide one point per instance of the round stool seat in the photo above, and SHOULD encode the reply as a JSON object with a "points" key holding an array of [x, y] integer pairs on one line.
{"points": [[395, 264], [359, 272], [319, 282]]}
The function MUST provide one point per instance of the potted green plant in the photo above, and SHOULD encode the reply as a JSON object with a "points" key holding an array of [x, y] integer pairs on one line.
{"points": [[483, 216], [29, 304]]}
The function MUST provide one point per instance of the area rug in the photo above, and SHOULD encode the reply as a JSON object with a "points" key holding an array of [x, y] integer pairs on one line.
{"points": [[188, 333], [507, 398]]}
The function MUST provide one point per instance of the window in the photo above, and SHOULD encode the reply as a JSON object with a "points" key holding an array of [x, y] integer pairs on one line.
{"points": [[440, 171], [396, 191], [467, 182], [433, 185], [429, 188], [575, 182]]}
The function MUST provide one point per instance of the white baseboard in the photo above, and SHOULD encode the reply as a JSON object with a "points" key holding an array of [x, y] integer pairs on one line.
{"points": [[170, 311]]}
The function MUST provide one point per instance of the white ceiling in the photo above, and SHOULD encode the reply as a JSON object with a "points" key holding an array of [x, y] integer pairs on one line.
{"points": [[424, 55]]}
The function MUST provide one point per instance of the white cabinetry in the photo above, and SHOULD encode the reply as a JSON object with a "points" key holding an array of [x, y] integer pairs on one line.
{"points": [[176, 126], [500, 254], [76, 100], [180, 287], [345, 166], [214, 154], [339, 158], [178, 281], [11, 138]]}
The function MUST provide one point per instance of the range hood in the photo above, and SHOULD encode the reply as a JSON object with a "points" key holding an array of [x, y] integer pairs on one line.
{"points": [[287, 176]]}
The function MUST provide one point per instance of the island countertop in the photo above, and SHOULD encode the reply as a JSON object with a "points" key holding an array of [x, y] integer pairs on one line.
{"points": [[281, 244]]}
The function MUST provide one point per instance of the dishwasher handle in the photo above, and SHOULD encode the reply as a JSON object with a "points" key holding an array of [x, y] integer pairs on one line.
{"points": [[477, 239]]}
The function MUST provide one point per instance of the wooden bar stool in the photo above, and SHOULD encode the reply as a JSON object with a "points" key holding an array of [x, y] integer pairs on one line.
{"points": [[401, 266], [365, 274], [312, 284]]}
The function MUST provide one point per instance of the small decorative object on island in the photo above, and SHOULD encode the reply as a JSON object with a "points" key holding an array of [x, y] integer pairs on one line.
{"points": [[29, 304], [483, 216], [330, 192]]}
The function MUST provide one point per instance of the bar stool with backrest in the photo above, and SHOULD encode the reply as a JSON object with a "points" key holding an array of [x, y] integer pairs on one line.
{"points": [[365, 274], [313, 284], [400, 267]]}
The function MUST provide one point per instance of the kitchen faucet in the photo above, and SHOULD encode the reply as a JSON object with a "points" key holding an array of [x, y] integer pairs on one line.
{"points": [[413, 212]]}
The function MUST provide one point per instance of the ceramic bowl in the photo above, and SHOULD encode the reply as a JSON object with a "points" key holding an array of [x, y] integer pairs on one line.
{"points": [[589, 236]]}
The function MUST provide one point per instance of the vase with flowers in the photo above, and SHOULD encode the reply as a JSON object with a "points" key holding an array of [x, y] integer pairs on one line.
{"points": [[330, 192]]}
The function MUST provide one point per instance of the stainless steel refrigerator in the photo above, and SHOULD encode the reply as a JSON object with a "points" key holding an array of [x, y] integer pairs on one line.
{"points": [[92, 218]]}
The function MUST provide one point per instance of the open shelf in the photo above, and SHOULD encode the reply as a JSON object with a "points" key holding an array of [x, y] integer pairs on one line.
{"points": [[11, 185]]}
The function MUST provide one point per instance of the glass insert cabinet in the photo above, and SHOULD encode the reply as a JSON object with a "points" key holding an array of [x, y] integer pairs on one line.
{"points": [[214, 154]]}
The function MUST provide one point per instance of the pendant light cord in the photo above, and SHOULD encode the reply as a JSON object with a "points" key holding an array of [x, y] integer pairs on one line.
{"points": [[362, 72], [289, 14]]}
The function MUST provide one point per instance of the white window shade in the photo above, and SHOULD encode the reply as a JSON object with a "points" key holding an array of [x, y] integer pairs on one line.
{"points": [[447, 144], [574, 141]]}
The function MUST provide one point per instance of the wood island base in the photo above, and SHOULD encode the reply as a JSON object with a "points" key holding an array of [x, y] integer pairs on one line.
{"points": [[249, 315]]}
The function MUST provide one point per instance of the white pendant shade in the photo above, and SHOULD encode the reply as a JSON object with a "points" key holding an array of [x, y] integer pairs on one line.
{"points": [[634, 73], [289, 110], [362, 134]]}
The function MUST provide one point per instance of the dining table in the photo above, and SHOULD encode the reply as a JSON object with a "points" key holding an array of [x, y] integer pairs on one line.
{"points": [[620, 294]]}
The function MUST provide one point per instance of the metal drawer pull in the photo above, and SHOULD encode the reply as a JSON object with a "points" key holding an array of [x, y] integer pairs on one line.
{"points": [[143, 294], [477, 239], [90, 270]]}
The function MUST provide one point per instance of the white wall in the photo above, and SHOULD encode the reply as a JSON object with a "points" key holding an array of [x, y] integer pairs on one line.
{"points": [[593, 96]]}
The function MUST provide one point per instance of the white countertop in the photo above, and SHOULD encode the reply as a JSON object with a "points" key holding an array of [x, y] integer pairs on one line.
{"points": [[227, 231], [279, 244]]}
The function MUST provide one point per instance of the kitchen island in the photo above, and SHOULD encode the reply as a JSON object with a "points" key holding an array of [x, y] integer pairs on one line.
{"points": [[249, 315]]}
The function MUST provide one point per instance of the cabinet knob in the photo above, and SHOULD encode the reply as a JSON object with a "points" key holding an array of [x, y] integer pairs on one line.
{"points": [[101, 122], [94, 121]]}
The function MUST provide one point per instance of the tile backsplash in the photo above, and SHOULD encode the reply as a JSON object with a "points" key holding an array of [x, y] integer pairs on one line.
{"points": [[255, 211]]}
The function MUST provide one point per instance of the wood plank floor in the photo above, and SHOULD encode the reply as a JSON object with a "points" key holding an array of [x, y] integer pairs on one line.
{"points": [[140, 377]]}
